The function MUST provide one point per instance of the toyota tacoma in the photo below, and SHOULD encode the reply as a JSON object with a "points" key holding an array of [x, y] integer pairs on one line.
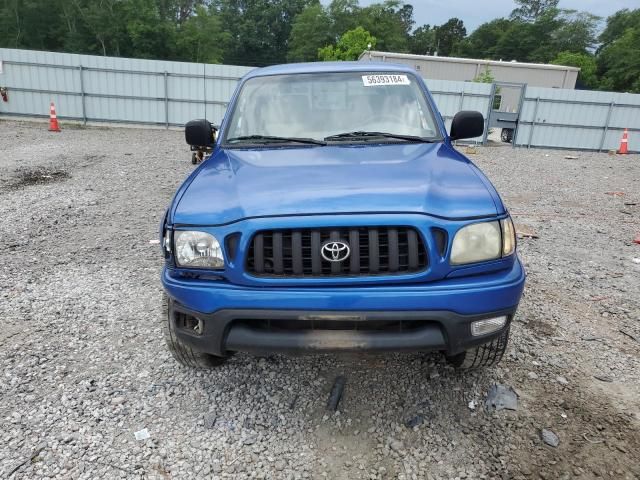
{"points": [[333, 214]]}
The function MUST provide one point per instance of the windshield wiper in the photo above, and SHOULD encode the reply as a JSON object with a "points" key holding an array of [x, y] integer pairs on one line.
{"points": [[273, 139], [367, 135]]}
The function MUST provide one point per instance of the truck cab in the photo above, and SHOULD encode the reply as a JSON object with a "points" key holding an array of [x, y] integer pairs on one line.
{"points": [[333, 214]]}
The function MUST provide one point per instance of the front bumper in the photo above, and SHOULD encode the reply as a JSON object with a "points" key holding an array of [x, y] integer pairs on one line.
{"points": [[436, 315]]}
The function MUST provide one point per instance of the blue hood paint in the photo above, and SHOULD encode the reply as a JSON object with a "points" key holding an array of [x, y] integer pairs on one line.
{"points": [[430, 179]]}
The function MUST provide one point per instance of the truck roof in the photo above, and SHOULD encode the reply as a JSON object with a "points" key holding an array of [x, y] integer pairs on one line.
{"points": [[329, 67]]}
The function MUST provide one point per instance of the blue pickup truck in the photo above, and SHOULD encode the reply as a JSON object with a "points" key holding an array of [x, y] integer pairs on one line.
{"points": [[333, 214]]}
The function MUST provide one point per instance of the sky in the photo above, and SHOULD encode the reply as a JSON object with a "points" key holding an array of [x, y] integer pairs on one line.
{"points": [[475, 12]]}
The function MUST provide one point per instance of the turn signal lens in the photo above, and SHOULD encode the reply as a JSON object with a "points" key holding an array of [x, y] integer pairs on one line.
{"points": [[489, 325], [508, 237]]}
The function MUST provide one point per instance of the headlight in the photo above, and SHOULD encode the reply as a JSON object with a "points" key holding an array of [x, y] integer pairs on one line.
{"points": [[197, 250], [508, 237], [476, 243]]}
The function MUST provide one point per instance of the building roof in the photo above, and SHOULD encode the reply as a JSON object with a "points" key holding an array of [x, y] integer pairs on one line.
{"points": [[432, 58]]}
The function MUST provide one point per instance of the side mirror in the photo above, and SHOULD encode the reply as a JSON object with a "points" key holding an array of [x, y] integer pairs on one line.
{"points": [[467, 124], [200, 133]]}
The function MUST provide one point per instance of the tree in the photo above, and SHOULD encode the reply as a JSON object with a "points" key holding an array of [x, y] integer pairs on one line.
{"points": [[202, 38], [344, 15], [531, 10], [390, 22], [618, 58], [147, 35], [104, 22], [349, 47], [619, 63], [259, 30], [449, 35], [483, 40], [618, 23], [423, 40], [577, 31], [586, 62], [310, 31]]}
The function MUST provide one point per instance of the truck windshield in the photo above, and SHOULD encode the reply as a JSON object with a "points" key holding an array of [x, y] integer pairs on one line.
{"points": [[348, 107]]}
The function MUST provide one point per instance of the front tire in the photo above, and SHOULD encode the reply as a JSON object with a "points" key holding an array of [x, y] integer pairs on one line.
{"points": [[182, 352], [485, 355]]}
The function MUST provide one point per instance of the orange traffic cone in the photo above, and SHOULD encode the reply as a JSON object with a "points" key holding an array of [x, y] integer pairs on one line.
{"points": [[53, 119], [624, 143]]}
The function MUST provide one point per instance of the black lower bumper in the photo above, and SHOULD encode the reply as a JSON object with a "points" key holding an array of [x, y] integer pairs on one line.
{"points": [[292, 331]]}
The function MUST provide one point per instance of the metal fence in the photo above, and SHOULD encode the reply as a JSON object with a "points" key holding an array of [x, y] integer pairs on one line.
{"points": [[452, 96], [106, 89], [578, 119]]}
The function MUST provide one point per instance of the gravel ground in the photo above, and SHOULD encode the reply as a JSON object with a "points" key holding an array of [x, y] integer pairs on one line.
{"points": [[84, 365]]}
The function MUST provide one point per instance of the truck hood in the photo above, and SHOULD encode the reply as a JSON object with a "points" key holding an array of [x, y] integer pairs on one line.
{"points": [[423, 178]]}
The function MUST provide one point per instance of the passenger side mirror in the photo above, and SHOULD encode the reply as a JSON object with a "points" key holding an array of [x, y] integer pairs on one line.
{"points": [[200, 133], [467, 124]]}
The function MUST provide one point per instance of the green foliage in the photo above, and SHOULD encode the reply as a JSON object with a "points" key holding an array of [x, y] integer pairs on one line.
{"points": [[619, 62], [310, 32], [259, 29], [483, 41], [344, 15], [553, 31], [423, 41], [264, 32], [349, 47], [586, 62], [485, 76], [577, 31], [618, 58], [449, 35], [390, 22], [202, 38], [618, 23], [532, 10]]}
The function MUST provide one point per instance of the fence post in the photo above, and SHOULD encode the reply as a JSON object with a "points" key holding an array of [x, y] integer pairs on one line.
{"points": [[82, 95], [204, 88], [533, 122], [166, 99], [489, 110], [523, 98], [606, 125]]}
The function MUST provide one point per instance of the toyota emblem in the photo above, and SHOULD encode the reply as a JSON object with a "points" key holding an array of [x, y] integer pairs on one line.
{"points": [[335, 251]]}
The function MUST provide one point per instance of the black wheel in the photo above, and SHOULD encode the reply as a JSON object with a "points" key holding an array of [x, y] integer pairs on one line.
{"points": [[484, 355], [182, 352], [194, 158], [506, 135]]}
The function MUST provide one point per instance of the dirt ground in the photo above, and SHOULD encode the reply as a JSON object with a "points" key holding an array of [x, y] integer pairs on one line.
{"points": [[83, 364]]}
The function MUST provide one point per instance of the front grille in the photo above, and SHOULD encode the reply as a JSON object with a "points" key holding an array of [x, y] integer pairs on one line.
{"points": [[374, 251]]}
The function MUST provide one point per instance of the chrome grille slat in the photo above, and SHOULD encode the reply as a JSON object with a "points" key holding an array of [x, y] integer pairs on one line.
{"points": [[375, 251]]}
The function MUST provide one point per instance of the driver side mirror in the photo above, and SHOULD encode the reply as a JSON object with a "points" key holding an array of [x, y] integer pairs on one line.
{"points": [[200, 133], [467, 124]]}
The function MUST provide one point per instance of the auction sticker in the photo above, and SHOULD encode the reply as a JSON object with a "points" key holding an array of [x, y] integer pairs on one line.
{"points": [[376, 80]]}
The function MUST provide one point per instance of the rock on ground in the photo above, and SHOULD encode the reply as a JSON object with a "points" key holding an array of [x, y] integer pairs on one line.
{"points": [[84, 365]]}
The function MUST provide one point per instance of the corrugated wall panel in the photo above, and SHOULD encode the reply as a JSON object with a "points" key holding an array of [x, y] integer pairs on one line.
{"points": [[179, 95], [158, 88], [578, 119], [453, 96]]}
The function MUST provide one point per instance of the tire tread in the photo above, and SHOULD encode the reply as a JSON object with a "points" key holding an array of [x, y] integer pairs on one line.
{"points": [[485, 355], [184, 354]]}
